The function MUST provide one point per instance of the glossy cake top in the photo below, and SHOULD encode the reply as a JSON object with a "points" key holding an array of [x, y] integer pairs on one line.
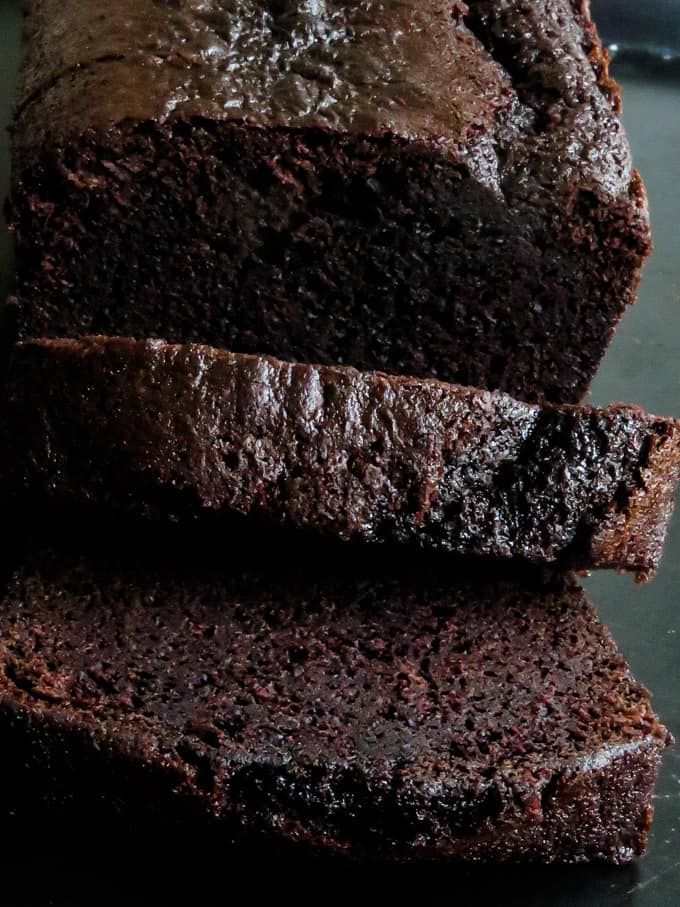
{"points": [[474, 81]]}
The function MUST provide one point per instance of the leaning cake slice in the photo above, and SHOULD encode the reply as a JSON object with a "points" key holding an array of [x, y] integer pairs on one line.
{"points": [[149, 428]]}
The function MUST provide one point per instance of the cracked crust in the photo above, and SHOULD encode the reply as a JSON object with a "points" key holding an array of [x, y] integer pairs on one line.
{"points": [[180, 431], [408, 69], [414, 70]]}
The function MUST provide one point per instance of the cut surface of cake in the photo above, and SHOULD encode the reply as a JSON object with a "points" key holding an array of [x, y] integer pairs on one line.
{"points": [[365, 707]]}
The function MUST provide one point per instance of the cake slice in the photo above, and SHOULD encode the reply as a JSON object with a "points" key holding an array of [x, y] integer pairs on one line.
{"points": [[342, 705], [149, 428], [422, 187]]}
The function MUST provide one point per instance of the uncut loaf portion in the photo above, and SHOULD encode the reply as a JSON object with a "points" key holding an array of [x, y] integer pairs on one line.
{"points": [[423, 187], [360, 706], [143, 427]]}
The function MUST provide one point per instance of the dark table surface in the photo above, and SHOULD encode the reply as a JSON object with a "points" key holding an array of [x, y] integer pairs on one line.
{"points": [[642, 366]]}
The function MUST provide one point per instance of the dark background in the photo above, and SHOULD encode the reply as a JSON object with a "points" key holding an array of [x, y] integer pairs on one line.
{"points": [[642, 366]]}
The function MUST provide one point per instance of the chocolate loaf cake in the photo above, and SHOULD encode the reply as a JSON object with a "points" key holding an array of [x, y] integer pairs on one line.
{"points": [[421, 187], [361, 707], [148, 428]]}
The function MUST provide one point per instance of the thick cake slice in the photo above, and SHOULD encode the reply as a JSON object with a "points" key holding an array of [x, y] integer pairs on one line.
{"points": [[147, 427], [362, 707], [424, 187]]}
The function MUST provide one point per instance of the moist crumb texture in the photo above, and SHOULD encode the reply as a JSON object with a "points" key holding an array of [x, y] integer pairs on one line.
{"points": [[182, 431], [335, 705], [421, 187]]}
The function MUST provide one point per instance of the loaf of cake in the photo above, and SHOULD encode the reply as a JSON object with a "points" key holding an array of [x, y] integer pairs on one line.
{"points": [[144, 427], [348, 705], [422, 187]]}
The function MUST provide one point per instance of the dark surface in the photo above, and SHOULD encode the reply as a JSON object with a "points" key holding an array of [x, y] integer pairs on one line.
{"points": [[181, 431], [649, 31], [349, 706], [641, 366], [393, 196]]}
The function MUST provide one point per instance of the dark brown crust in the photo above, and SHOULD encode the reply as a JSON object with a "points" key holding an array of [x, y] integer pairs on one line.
{"points": [[415, 70], [381, 711], [390, 188], [151, 428], [409, 69]]}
